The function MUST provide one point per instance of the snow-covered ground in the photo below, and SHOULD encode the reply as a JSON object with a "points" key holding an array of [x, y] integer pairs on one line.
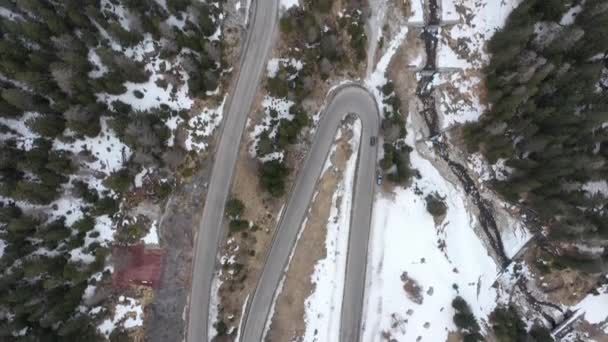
{"points": [[151, 238], [214, 302], [272, 106], [201, 126], [417, 12], [448, 11], [481, 18], [514, 236], [375, 24], [106, 147], [23, 135], [2, 247], [592, 309], [377, 78], [462, 46], [445, 260], [407, 246], [274, 63], [127, 313], [153, 94], [322, 307]]}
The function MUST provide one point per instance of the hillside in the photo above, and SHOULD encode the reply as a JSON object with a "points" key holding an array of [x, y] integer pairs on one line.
{"points": [[99, 100]]}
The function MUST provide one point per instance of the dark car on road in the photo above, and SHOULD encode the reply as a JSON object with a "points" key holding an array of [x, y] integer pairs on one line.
{"points": [[372, 141]]}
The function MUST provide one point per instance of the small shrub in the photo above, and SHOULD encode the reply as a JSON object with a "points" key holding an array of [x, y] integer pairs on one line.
{"points": [[272, 177], [435, 205], [138, 94], [106, 206], [85, 224], [234, 208], [507, 325], [119, 181], [465, 320], [163, 190], [238, 225], [133, 232], [221, 328]]}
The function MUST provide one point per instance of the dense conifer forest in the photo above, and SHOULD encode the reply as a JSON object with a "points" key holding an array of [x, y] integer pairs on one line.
{"points": [[548, 89], [56, 57]]}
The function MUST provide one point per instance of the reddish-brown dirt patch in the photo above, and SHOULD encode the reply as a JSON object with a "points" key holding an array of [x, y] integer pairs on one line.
{"points": [[137, 265]]}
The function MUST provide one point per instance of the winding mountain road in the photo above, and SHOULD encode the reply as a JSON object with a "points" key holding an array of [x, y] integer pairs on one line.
{"points": [[347, 99], [262, 22]]}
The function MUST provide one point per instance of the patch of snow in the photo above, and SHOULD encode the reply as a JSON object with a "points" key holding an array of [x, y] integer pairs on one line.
{"points": [[375, 24], [95, 310], [418, 60], [99, 69], [202, 126], [80, 256], [570, 16], [8, 14], [479, 22], [458, 99], [68, 207], [152, 237], [417, 9], [120, 12], [217, 34], [128, 313], [514, 237], [153, 94], [248, 5], [270, 104], [138, 52], [448, 11], [272, 156], [26, 136], [173, 21], [459, 90], [281, 106], [480, 166], [593, 307], [214, 302], [377, 78], [597, 250], [104, 229], [323, 306], [139, 178], [162, 3], [447, 58], [110, 152], [21, 332], [90, 289], [273, 65], [172, 124], [596, 188]]}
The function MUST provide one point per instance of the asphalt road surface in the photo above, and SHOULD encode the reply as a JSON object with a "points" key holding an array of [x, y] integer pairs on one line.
{"points": [[348, 99], [255, 51]]}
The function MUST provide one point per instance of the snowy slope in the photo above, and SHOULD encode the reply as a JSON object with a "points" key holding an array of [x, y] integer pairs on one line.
{"points": [[445, 260]]}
